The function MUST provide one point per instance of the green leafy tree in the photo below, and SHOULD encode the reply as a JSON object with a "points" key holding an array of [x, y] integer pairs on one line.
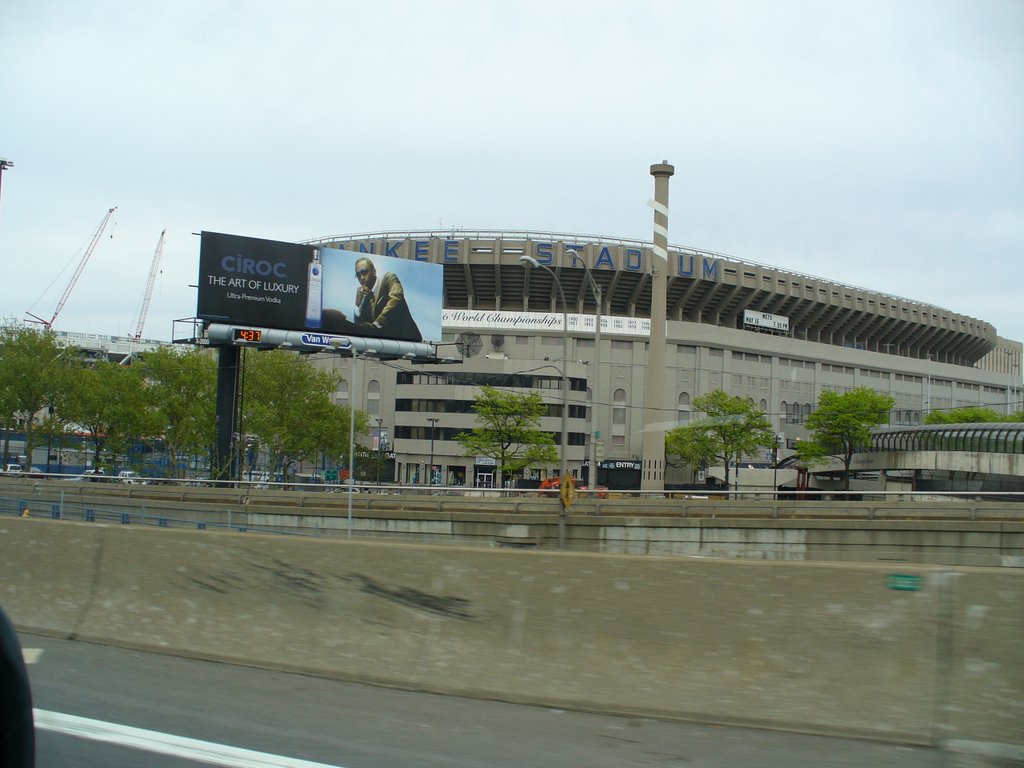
{"points": [[969, 415], [841, 425], [696, 448], [181, 387], [509, 431], [30, 372], [288, 408], [109, 403], [733, 427]]}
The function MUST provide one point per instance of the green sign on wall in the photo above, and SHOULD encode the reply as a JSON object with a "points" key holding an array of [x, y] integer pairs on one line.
{"points": [[904, 582]]}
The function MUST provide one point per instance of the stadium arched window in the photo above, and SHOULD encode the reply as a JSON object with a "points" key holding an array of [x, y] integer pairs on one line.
{"points": [[794, 413], [619, 418], [373, 397], [683, 409], [619, 406]]}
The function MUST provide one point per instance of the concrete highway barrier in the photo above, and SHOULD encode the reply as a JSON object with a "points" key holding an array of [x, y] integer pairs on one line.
{"points": [[918, 654]]}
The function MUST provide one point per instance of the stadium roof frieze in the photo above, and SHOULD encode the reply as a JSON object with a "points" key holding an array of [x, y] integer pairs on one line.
{"points": [[570, 238]]}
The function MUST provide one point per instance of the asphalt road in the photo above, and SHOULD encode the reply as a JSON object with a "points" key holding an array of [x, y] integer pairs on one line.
{"points": [[165, 712]]}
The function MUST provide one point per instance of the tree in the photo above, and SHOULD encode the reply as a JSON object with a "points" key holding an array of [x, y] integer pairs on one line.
{"points": [[510, 431], [733, 428], [841, 425], [181, 387], [30, 366], [108, 402], [287, 407], [969, 415], [694, 447]]}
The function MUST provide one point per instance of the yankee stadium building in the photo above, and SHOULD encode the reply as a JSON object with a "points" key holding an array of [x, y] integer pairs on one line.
{"points": [[773, 336]]}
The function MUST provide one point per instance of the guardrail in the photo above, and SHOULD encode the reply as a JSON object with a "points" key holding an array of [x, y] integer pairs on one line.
{"points": [[26, 506]]}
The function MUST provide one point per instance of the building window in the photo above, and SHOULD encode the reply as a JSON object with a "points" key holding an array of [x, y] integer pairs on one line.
{"points": [[373, 397], [683, 409], [793, 417], [619, 407]]}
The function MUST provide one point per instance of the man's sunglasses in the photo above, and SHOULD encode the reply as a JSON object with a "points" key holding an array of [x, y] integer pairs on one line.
{"points": [[362, 272]]}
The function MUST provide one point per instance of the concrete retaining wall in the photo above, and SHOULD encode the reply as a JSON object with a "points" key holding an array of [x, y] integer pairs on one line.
{"points": [[907, 653]]}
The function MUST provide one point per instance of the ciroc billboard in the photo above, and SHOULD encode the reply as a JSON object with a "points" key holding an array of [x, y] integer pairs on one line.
{"points": [[308, 288]]}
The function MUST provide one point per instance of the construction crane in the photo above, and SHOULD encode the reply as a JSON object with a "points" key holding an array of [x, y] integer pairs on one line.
{"points": [[153, 269], [78, 271]]}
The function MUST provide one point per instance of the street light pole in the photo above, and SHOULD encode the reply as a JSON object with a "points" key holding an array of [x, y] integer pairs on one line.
{"points": [[531, 262], [430, 470], [337, 344], [1010, 402], [4, 165], [380, 445], [595, 426]]}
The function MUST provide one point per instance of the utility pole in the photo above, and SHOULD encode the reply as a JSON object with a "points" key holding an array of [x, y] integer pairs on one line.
{"points": [[380, 448], [430, 471]]}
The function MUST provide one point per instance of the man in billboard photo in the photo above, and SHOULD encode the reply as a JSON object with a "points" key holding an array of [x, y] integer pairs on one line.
{"points": [[380, 308]]}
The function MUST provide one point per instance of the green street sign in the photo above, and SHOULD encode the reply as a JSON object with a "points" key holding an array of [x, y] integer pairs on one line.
{"points": [[904, 582]]}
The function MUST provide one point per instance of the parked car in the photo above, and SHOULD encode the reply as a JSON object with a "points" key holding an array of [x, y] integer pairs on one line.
{"points": [[13, 469], [130, 477]]}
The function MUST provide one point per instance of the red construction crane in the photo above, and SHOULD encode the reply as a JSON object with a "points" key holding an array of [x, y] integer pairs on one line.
{"points": [[78, 271], [153, 269]]}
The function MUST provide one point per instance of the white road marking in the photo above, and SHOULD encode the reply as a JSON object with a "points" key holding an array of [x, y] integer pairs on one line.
{"points": [[165, 743], [31, 655]]}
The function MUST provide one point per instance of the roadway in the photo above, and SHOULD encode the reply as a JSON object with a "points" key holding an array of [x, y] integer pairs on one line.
{"points": [[192, 710]]}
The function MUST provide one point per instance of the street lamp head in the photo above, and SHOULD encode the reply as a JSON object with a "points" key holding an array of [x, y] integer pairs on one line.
{"points": [[528, 261]]}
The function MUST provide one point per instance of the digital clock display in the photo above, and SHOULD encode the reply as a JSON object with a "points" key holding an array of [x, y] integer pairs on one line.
{"points": [[248, 334]]}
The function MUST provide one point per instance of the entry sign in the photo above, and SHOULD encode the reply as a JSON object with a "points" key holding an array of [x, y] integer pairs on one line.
{"points": [[905, 582]]}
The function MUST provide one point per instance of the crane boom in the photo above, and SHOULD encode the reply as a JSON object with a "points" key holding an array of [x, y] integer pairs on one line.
{"points": [[153, 269], [78, 270]]}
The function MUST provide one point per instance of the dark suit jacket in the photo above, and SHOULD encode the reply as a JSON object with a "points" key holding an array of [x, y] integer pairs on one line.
{"points": [[386, 313]]}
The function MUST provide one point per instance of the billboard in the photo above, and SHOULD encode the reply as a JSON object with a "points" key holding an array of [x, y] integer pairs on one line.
{"points": [[272, 284]]}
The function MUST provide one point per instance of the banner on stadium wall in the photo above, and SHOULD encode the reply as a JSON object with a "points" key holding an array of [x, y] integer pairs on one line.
{"points": [[542, 321]]}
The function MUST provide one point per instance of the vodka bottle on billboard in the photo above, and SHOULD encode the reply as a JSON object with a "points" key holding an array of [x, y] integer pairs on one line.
{"points": [[314, 291]]}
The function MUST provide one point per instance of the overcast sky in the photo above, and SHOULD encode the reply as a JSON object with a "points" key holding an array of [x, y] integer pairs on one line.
{"points": [[879, 144]]}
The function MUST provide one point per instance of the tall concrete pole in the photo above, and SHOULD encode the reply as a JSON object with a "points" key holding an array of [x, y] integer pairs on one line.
{"points": [[652, 475]]}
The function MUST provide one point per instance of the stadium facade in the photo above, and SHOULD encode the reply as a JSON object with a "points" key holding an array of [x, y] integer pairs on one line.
{"points": [[776, 337]]}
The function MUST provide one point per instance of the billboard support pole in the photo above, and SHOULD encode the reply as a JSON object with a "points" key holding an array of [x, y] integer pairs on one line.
{"points": [[227, 397]]}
